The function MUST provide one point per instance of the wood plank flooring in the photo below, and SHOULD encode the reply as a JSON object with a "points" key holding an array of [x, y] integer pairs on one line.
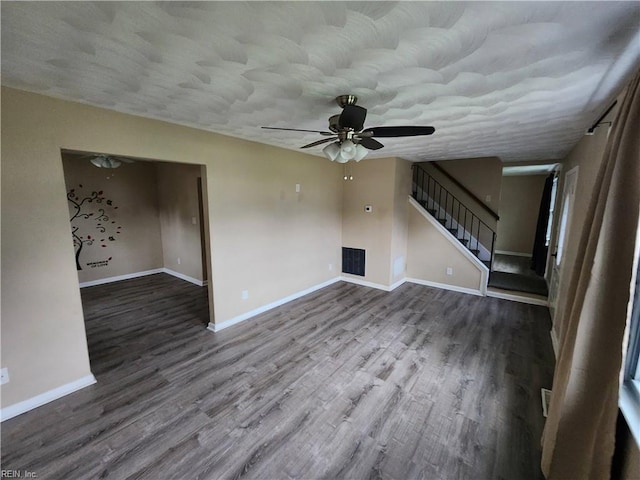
{"points": [[347, 382]]}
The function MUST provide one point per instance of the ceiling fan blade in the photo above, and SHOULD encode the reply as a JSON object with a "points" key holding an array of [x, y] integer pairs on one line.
{"points": [[352, 116], [399, 131], [319, 142], [299, 130], [370, 143]]}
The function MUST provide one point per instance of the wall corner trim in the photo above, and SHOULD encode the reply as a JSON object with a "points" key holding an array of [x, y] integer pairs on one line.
{"points": [[118, 278], [46, 397], [444, 286], [379, 286], [216, 327], [184, 277], [129, 276]]}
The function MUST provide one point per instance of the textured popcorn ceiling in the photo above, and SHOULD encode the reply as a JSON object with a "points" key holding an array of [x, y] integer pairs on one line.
{"points": [[517, 80]]}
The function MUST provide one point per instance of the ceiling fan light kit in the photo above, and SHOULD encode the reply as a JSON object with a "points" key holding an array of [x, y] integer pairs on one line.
{"points": [[350, 140], [345, 151]]}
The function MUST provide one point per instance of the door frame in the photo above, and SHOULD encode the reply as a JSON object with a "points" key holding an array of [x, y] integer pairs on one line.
{"points": [[557, 270]]}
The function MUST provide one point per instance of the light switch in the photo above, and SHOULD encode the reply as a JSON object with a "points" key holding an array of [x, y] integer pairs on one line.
{"points": [[297, 188]]}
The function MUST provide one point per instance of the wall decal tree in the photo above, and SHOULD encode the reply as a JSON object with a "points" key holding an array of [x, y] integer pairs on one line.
{"points": [[92, 222]]}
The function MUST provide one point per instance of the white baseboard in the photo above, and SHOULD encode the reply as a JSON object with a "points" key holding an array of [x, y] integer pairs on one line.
{"points": [[128, 276], [444, 286], [515, 254], [46, 397], [379, 286], [216, 327], [182, 276], [554, 341], [393, 286], [118, 278], [518, 298]]}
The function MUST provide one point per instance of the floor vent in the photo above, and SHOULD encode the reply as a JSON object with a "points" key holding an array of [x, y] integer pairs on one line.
{"points": [[546, 400]]}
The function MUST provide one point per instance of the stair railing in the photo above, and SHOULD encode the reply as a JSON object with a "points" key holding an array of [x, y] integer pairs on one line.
{"points": [[456, 217]]}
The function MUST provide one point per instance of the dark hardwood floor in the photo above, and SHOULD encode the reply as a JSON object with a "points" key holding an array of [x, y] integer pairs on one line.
{"points": [[348, 383]]}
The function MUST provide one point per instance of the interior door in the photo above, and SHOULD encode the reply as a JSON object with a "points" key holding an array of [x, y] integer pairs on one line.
{"points": [[564, 224]]}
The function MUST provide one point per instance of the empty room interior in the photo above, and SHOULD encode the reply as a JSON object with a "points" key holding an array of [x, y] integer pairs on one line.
{"points": [[337, 240]]}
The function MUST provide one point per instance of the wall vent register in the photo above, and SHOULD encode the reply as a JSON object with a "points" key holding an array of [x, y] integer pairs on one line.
{"points": [[353, 260]]}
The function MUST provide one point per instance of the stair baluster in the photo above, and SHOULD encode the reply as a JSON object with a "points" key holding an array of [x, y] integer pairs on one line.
{"points": [[460, 223]]}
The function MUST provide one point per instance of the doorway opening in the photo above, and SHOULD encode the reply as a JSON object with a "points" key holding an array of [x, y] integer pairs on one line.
{"points": [[140, 232], [524, 230]]}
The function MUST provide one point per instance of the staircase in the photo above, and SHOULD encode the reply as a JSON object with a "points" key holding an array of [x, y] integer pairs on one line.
{"points": [[456, 217]]}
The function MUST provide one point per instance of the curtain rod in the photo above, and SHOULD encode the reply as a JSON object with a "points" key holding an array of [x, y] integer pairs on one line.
{"points": [[597, 122]]}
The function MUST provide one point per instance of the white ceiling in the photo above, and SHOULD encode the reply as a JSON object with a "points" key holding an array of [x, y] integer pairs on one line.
{"points": [[517, 80]]}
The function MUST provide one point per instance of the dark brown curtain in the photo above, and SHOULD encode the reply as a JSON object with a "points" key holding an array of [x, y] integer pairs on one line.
{"points": [[540, 249]]}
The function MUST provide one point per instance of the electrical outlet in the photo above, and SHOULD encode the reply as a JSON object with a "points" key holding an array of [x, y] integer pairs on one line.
{"points": [[331, 267], [194, 221], [487, 198], [297, 188], [449, 271], [245, 294], [4, 376], [179, 260]]}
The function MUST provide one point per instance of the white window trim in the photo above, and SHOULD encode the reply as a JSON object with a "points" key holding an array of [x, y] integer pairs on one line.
{"points": [[629, 398]]}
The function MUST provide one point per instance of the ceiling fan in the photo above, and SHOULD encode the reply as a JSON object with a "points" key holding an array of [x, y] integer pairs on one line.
{"points": [[351, 141], [102, 160]]}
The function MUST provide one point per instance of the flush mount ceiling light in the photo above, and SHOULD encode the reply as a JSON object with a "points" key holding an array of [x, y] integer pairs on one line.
{"points": [[101, 160], [345, 151]]}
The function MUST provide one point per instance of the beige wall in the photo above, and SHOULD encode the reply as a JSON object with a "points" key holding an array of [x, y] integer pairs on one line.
{"points": [[519, 208], [372, 185], [265, 238], [400, 222], [430, 253], [482, 176], [132, 222], [180, 218], [587, 156]]}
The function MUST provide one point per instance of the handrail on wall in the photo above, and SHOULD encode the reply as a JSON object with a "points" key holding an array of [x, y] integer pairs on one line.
{"points": [[465, 190]]}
